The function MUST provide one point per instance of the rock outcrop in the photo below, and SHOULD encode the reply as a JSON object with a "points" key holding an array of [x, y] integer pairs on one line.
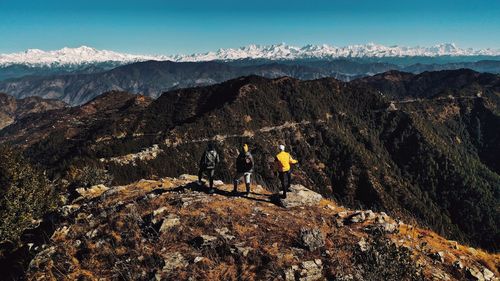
{"points": [[300, 196]]}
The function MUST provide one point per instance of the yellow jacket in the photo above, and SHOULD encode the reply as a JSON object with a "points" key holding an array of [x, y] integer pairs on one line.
{"points": [[283, 161]]}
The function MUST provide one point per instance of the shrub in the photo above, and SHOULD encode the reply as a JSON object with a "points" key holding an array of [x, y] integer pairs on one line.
{"points": [[25, 195]]}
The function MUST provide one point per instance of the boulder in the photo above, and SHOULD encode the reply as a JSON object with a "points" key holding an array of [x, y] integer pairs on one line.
{"points": [[218, 183], [188, 177], [204, 241], [311, 270], [307, 271], [290, 273], [370, 215], [363, 245], [312, 239], [357, 217], [224, 233], [169, 222], [42, 258], [389, 227], [342, 215], [91, 233], [438, 256], [341, 277], [478, 275], [381, 217], [300, 196], [60, 233], [474, 274], [243, 250], [488, 275], [454, 244], [440, 275], [195, 197], [172, 262], [157, 215], [92, 192], [339, 222], [458, 264], [67, 210]]}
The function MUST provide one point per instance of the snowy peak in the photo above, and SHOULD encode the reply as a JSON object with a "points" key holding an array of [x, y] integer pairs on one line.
{"points": [[88, 55], [71, 56], [282, 51]]}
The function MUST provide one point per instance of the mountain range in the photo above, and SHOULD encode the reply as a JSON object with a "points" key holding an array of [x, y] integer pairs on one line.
{"points": [[151, 78], [88, 55], [77, 75]]}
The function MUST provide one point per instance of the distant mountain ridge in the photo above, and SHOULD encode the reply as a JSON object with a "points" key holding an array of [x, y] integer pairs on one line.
{"points": [[12, 109], [88, 55], [151, 78]]}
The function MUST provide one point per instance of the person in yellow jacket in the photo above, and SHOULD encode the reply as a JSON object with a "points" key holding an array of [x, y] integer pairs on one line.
{"points": [[283, 162]]}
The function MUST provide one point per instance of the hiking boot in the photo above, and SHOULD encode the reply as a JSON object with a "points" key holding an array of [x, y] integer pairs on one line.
{"points": [[211, 191]]}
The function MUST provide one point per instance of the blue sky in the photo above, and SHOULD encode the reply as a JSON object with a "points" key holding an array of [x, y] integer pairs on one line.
{"points": [[170, 27]]}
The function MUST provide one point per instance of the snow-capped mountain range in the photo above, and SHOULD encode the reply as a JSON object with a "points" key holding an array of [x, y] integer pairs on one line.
{"points": [[88, 55]]}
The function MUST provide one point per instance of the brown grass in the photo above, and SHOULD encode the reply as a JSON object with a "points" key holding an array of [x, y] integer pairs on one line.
{"points": [[122, 247]]}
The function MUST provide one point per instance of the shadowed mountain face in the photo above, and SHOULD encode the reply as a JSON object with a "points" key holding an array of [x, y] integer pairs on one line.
{"points": [[459, 83], [433, 159], [21, 70], [152, 78]]}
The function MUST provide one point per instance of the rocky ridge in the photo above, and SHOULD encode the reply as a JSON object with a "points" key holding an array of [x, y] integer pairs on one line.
{"points": [[171, 229]]}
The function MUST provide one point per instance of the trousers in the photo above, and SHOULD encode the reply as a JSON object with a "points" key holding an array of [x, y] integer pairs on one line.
{"points": [[210, 174], [246, 177], [285, 179]]}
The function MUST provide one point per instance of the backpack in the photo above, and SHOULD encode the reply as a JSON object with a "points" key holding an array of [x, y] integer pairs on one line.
{"points": [[210, 159], [244, 162]]}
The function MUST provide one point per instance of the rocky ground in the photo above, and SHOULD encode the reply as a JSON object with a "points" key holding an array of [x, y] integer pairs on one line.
{"points": [[171, 229]]}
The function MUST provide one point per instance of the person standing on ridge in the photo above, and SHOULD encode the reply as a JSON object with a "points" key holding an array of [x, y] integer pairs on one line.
{"points": [[283, 161], [244, 168], [208, 162]]}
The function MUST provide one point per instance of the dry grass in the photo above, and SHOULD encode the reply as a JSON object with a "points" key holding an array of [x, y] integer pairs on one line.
{"points": [[123, 250], [413, 236]]}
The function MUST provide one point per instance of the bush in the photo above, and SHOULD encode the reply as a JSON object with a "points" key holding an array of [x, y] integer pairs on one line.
{"points": [[25, 195], [383, 260]]}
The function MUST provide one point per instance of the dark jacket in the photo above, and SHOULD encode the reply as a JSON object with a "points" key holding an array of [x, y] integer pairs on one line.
{"points": [[209, 160], [244, 163]]}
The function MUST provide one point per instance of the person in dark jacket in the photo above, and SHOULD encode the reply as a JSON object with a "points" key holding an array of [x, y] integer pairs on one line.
{"points": [[208, 162], [244, 168]]}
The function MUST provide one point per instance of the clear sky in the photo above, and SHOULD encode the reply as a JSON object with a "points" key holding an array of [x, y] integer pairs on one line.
{"points": [[187, 26]]}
